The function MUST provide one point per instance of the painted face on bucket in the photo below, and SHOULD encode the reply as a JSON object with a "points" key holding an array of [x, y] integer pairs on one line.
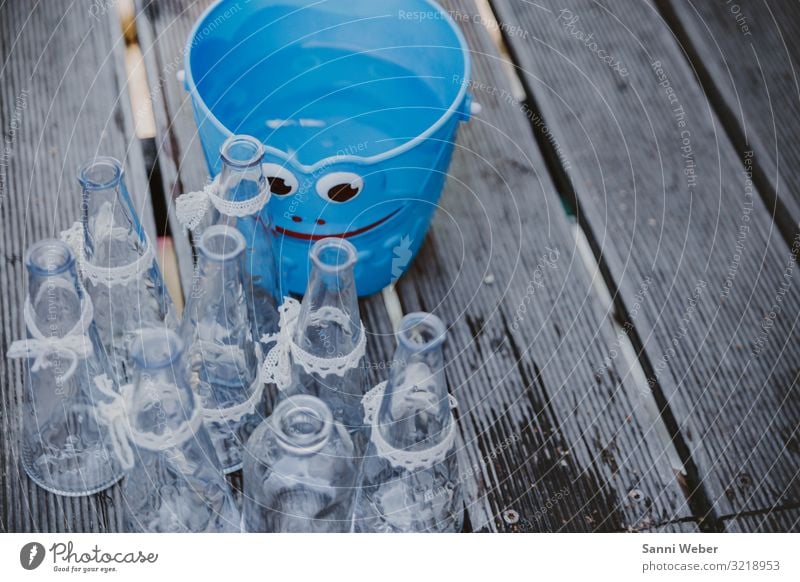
{"points": [[341, 200]]}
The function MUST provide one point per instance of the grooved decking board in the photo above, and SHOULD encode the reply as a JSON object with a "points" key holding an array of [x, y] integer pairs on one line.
{"points": [[62, 100], [162, 37], [780, 520], [675, 527], [750, 50], [563, 447], [727, 367], [528, 434]]}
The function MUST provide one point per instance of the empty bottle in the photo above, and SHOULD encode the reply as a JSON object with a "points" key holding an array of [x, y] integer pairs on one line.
{"points": [[410, 480], [238, 198], [176, 484], [326, 340], [220, 351], [64, 445], [299, 472], [117, 264]]}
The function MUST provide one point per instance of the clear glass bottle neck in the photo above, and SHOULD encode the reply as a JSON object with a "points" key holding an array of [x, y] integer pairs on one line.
{"points": [[242, 175], [112, 231], [302, 425], [330, 321], [162, 399], [219, 266], [53, 289], [415, 410]]}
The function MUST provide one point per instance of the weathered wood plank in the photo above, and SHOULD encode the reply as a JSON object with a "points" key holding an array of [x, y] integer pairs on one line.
{"points": [[675, 527], [747, 53], [663, 195], [180, 162], [62, 100], [776, 520], [564, 448], [545, 439]]}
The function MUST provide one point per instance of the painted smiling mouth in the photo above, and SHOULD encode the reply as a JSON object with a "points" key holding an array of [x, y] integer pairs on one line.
{"points": [[348, 234]]}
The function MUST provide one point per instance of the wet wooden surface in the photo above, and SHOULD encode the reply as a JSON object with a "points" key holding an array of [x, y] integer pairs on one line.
{"points": [[664, 196], [565, 424], [62, 100]]}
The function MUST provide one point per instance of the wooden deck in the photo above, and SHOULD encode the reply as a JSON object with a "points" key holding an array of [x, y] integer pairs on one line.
{"points": [[643, 211]]}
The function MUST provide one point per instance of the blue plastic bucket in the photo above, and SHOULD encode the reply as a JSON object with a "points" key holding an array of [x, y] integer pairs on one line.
{"points": [[357, 103]]}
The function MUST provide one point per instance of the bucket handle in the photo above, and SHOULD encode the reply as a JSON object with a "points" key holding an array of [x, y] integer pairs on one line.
{"points": [[469, 108]]}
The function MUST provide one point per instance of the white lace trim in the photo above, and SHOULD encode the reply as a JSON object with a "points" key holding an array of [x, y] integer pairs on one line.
{"points": [[409, 460], [277, 366], [75, 345], [108, 276], [236, 412], [115, 415], [191, 207]]}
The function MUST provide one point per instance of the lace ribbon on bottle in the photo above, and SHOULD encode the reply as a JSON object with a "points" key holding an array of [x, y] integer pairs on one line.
{"points": [[108, 276], [409, 460], [75, 345], [277, 366], [191, 207], [237, 411], [115, 415]]}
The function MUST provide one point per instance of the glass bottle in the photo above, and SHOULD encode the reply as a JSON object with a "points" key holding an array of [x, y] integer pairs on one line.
{"points": [[242, 179], [220, 352], [410, 480], [118, 265], [299, 471], [329, 326], [65, 448], [176, 484]]}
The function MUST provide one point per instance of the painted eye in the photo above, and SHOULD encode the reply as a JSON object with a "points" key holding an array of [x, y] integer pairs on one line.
{"points": [[340, 186], [281, 181]]}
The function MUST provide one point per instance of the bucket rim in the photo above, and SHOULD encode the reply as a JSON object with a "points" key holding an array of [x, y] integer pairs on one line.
{"points": [[453, 108]]}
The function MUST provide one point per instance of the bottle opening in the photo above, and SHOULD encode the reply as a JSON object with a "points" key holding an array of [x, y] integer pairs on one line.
{"points": [[242, 151], [333, 254], [303, 423], [156, 348], [100, 173], [421, 331], [49, 257], [221, 243]]}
